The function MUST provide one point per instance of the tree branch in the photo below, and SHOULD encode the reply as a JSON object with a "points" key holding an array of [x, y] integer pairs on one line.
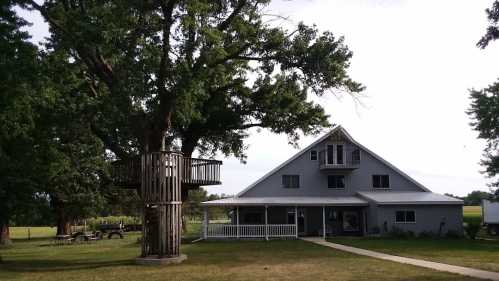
{"points": [[223, 25]]}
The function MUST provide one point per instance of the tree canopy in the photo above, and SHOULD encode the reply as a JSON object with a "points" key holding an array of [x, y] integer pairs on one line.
{"points": [[201, 72], [484, 108]]}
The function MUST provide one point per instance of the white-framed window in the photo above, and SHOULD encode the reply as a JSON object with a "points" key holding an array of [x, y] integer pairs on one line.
{"points": [[313, 155], [381, 181], [291, 181], [336, 181], [405, 216], [335, 154]]}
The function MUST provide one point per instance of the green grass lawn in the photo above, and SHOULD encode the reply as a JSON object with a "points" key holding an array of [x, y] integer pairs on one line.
{"points": [[480, 254], [251, 260]]}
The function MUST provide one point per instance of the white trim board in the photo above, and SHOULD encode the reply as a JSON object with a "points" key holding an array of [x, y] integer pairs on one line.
{"points": [[347, 135]]}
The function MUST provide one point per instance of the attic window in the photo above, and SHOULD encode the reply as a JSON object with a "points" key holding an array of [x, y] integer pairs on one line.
{"points": [[381, 181], [313, 155], [291, 181]]}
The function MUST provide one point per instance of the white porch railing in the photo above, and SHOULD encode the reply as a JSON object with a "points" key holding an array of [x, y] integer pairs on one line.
{"points": [[219, 230]]}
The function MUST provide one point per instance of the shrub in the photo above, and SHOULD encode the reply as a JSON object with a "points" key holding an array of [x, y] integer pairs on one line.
{"points": [[375, 230], [452, 234], [397, 232], [93, 223], [426, 234], [472, 229]]}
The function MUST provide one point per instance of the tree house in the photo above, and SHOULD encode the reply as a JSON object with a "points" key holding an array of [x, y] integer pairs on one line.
{"points": [[161, 178]]}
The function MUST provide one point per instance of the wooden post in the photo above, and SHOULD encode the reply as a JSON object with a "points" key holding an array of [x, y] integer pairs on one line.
{"points": [[205, 222], [296, 221], [364, 219], [324, 222], [266, 225], [237, 221]]}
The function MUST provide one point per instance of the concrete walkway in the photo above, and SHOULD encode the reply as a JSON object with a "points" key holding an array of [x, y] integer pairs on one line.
{"points": [[477, 273]]}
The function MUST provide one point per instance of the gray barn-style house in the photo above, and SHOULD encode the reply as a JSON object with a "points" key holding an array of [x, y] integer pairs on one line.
{"points": [[335, 186]]}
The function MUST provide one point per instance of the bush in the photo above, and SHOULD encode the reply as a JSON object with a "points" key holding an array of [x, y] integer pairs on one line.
{"points": [[472, 229], [397, 232], [426, 234], [93, 223], [375, 230], [452, 234]]}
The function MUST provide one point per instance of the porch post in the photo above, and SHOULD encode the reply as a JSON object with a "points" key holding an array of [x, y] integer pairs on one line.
{"points": [[296, 221], [324, 222], [205, 222], [364, 219], [266, 225], [237, 221]]}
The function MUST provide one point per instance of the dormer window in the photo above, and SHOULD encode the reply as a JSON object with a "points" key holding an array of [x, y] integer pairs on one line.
{"points": [[313, 155]]}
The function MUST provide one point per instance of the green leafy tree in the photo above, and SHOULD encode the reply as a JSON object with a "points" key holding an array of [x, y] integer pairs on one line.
{"points": [[475, 198], [18, 84], [484, 108], [199, 71], [77, 180]]}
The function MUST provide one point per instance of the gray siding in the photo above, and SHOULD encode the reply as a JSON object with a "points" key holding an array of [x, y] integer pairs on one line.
{"points": [[313, 181], [428, 218]]}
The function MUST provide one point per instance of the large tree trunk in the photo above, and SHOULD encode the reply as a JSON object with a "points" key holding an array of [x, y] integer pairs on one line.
{"points": [[4, 234], [63, 220]]}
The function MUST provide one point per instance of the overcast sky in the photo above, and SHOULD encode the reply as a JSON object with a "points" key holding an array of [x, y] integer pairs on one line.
{"points": [[417, 59]]}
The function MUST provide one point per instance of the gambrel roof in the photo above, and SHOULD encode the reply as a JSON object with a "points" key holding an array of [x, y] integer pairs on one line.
{"points": [[336, 129]]}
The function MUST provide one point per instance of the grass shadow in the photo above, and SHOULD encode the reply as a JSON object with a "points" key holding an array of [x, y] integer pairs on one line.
{"points": [[59, 265]]}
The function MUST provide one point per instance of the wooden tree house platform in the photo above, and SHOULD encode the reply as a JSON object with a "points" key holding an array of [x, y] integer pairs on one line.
{"points": [[161, 178]]}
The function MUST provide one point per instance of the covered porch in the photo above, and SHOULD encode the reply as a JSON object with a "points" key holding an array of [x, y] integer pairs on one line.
{"points": [[287, 217]]}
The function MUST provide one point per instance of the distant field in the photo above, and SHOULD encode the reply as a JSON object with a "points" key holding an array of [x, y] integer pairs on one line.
{"points": [[21, 232], [472, 213]]}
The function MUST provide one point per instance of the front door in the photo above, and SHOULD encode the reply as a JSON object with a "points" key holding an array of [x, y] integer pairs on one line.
{"points": [[351, 221], [302, 230]]}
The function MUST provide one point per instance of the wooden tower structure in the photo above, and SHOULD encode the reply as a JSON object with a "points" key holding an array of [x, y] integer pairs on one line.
{"points": [[163, 179]]}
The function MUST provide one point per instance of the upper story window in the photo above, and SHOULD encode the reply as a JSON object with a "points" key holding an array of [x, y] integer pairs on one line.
{"points": [[381, 181], [405, 216], [291, 181], [336, 181], [335, 154], [356, 156], [313, 155]]}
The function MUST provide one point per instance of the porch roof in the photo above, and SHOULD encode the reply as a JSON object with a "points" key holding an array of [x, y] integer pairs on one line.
{"points": [[409, 198], [288, 201]]}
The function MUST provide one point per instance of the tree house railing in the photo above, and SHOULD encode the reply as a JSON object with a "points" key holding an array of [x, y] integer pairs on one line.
{"points": [[195, 171], [201, 171]]}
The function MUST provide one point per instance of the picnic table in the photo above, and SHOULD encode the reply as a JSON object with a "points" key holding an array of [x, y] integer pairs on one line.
{"points": [[63, 239]]}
